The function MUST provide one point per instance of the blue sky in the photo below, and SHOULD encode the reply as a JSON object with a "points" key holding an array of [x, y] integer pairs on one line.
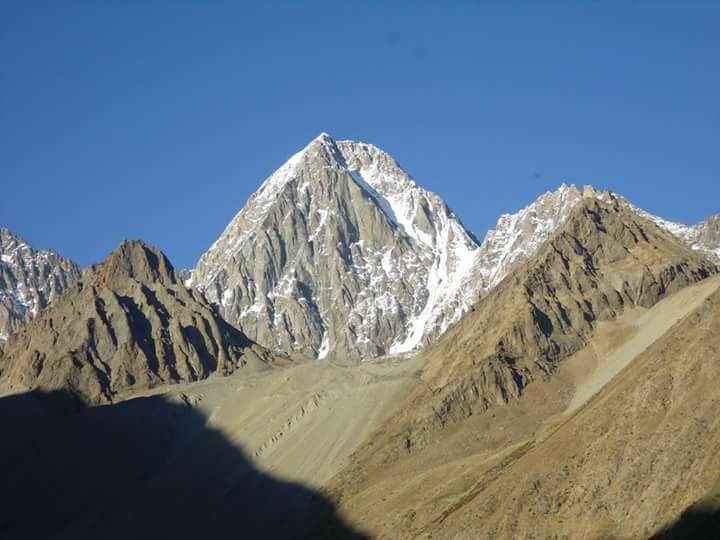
{"points": [[156, 120]]}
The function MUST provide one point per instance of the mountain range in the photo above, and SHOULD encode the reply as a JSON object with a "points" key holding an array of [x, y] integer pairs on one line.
{"points": [[340, 253], [128, 325], [347, 360]]}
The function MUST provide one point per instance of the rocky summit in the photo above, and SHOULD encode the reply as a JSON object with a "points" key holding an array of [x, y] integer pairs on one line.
{"points": [[29, 280], [340, 253], [605, 259], [129, 325], [481, 432]]}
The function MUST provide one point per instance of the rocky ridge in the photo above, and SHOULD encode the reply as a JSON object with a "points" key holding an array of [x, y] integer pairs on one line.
{"points": [[129, 325], [517, 237], [703, 237], [341, 253], [604, 260], [29, 280]]}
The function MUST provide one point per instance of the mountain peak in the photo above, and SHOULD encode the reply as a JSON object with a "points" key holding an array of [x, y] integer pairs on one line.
{"points": [[324, 137], [340, 252], [133, 327], [589, 191], [29, 280], [137, 260]]}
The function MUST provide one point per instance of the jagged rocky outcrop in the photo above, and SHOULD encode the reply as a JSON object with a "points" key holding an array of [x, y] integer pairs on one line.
{"points": [[29, 280], [603, 260], [127, 326], [703, 237], [519, 236], [339, 252]]}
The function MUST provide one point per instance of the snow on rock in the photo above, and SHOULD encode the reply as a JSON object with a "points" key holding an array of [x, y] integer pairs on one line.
{"points": [[340, 253], [29, 280]]}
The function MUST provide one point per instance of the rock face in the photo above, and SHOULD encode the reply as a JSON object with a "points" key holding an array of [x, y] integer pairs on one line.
{"points": [[29, 281], [128, 325], [703, 237], [629, 463], [339, 253], [518, 236], [605, 259]]}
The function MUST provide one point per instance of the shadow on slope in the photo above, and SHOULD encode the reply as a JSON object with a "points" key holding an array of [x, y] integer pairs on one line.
{"points": [[144, 468], [695, 522]]}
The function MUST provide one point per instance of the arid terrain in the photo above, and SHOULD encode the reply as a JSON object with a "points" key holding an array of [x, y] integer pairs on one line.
{"points": [[575, 398], [360, 270], [617, 444]]}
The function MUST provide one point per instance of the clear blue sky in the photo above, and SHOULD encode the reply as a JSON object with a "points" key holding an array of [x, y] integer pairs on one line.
{"points": [[157, 120]]}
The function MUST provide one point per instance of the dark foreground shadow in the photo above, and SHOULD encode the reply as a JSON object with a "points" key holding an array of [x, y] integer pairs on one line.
{"points": [[145, 468], [693, 523]]}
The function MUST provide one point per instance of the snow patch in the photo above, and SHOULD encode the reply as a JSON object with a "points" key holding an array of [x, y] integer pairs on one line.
{"points": [[324, 346]]}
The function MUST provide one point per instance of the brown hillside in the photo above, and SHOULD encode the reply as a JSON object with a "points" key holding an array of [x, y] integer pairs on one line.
{"points": [[605, 261], [128, 326]]}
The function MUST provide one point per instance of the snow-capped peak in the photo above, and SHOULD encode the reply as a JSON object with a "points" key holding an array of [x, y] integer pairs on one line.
{"points": [[341, 253], [425, 218], [248, 222], [29, 280], [317, 219], [518, 236]]}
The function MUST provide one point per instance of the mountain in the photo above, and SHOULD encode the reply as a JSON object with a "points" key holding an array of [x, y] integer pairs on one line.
{"points": [[635, 457], [339, 253], [605, 259], [603, 263], [29, 280], [129, 325], [518, 236], [627, 464], [703, 237]]}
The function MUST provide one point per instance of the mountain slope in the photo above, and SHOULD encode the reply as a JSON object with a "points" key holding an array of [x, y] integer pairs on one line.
{"points": [[629, 462], [29, 280], [703, 237], [638, 457], [339, 252], [128, 326], [517, 237], [604, 261]]}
